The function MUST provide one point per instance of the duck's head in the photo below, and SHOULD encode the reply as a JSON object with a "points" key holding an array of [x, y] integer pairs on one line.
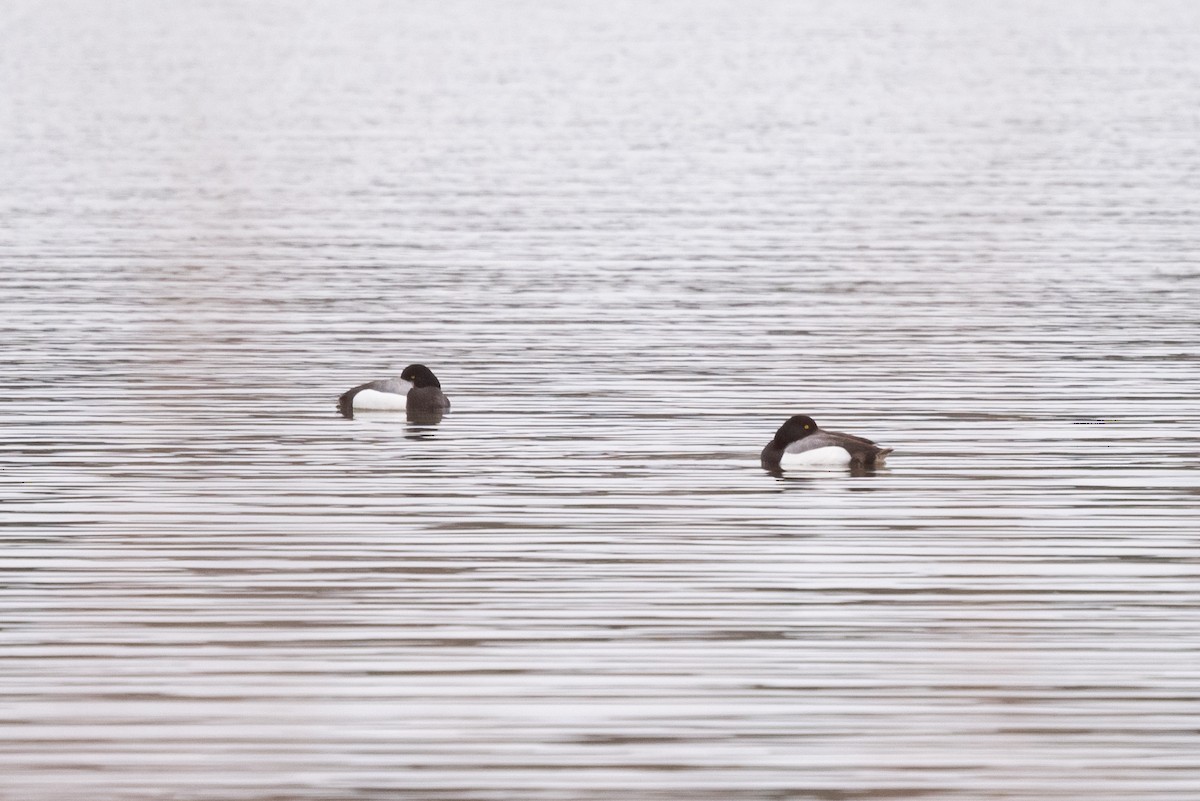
{"points": [[796, 428], [420, 376]]}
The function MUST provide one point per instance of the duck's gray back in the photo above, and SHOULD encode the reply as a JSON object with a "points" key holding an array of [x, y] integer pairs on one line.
{"points": [[859, 448]]}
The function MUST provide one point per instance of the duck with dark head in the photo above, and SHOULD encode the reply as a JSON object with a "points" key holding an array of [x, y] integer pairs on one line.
{"points": [[801, 444], [417, 391]]}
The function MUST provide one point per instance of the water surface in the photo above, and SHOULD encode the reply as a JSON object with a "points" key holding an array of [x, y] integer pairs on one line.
{"points": [[630, 240]]}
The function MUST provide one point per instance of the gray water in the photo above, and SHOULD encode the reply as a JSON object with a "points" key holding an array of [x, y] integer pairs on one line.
{"points": [[631, 239]]}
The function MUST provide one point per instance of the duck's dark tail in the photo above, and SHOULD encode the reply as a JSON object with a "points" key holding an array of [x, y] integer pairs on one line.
{"points": [[346, 403]]}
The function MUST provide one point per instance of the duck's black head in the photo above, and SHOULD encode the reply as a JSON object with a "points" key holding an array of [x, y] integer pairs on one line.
{"points": [[420, 376], [796, 428]]}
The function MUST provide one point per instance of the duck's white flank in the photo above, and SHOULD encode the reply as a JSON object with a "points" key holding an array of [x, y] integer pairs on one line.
{"points": [[831, 457], [373, 399]]}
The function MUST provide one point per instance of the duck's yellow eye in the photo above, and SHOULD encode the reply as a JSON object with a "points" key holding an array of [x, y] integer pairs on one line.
{"points": [[806, 426]]}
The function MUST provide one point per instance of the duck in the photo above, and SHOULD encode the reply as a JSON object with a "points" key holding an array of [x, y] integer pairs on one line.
{"points": [[800, 443], [417, 391]]}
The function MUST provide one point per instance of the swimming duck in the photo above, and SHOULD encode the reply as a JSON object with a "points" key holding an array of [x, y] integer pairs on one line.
{"points": [[416, 391], [799, 443]]}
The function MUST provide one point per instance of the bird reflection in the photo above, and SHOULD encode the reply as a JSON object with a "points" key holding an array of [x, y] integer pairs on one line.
{"points": [[424, 428], [853, 470], [419, 425], [430, 417]]}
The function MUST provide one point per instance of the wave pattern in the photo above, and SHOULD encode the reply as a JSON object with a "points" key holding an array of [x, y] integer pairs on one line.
{"points": [[630, 240]]}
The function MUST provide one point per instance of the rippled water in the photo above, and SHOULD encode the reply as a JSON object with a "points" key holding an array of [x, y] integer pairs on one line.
{"points": [[630, 240]]}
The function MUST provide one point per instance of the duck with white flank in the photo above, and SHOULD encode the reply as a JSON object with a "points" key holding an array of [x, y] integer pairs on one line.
{"points": [[800, 444], [416, 391]]}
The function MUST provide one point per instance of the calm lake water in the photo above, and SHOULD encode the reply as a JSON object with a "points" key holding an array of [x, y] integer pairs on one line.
{"points": [[631, 239]]}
